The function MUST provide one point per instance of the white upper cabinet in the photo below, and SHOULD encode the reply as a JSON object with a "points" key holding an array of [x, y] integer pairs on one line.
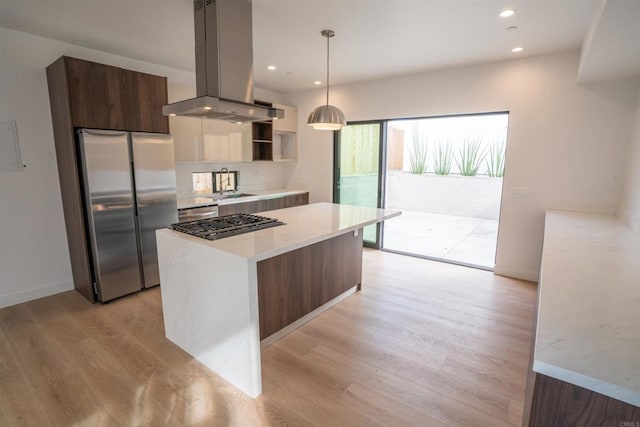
{"points": [[225, 141], [210, 140], [219, 141], [290, 121], [187, 138]]}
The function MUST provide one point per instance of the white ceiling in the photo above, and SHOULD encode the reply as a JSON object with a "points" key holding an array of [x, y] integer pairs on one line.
{"points": [[374, 38]]}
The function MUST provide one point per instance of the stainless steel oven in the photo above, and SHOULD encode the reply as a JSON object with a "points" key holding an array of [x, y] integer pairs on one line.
{"points": [[201, 212]]}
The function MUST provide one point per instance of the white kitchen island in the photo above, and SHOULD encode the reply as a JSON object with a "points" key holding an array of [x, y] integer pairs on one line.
{"points": [[210, 296]]}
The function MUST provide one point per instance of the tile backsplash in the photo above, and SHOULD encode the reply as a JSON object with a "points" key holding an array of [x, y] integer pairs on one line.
{"points": [[251, 175]]}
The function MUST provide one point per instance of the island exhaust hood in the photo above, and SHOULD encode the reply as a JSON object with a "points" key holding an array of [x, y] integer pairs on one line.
{"points": [[224, 65]]}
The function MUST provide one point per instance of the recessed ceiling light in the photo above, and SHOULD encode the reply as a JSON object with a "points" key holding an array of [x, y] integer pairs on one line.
{"points": [[517, 49], [507, 13], [207, 108], [317, 82], [271, 67]]}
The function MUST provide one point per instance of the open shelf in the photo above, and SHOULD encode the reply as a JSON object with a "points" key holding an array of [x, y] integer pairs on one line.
{"points": [[284, 147], [262, 136], [262, 151]]}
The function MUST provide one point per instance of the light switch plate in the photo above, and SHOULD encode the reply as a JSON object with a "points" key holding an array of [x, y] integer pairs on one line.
{"points": [[520, 192]]}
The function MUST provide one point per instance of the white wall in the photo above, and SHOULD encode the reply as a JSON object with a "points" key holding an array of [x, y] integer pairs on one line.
{"points": [[34, 260], [566, 143], [630, 205]]}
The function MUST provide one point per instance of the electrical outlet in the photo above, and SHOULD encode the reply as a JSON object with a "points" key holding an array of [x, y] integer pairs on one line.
{"points": [[520, 192]]}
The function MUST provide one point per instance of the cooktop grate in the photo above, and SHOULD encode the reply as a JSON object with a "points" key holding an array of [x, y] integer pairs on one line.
{"points": [[225, 226]]}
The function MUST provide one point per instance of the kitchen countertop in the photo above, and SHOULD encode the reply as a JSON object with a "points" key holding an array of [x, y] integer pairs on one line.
{"points": [[210, 288], [304, 225], [588, 330], [206, 199]]}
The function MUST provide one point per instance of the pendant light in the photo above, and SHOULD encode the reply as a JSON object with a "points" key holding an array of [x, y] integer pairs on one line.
{"points": [[327, 117]]}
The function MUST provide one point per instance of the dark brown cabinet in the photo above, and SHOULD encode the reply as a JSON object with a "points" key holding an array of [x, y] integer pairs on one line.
{"points": [[294, 284], [85, 94], [558, 403], [264, 205], [95, 95], [145, 95], [107, 97]]}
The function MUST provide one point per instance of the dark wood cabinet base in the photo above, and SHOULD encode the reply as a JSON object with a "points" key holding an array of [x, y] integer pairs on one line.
{"points": [[294, 284], [558, 403]]}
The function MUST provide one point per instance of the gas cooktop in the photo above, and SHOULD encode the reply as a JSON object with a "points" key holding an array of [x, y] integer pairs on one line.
{"points": [[225, 226]]}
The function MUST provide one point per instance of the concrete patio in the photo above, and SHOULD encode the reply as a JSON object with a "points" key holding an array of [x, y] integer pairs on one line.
{"points": [[455, 238]]}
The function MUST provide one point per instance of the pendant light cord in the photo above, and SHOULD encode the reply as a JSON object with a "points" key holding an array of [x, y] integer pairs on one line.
{"points": [[328, 37]]}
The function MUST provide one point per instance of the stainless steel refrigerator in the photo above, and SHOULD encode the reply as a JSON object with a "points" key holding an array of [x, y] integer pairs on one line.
{"points": [[129, 192]]}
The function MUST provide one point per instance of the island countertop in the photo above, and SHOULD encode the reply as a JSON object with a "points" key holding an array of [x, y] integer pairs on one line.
{"points": [[210, 292], [588, 330], [304, 225]]}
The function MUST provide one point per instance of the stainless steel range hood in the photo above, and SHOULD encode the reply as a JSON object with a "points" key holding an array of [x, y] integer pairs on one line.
{"points": [[224, 65]]}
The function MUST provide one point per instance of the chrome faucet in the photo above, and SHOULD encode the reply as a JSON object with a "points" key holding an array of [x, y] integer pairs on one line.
{"points": [[222, 181]]}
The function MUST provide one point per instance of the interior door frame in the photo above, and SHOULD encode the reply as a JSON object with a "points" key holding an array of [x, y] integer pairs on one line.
{"points": [[382, 164]]}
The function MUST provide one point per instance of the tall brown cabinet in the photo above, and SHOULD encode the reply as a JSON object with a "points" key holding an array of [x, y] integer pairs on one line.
{"points": [[86, 94]]}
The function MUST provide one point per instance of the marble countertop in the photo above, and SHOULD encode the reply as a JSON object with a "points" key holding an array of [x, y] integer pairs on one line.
{"points": [[588, 330], [196, 201], [304, 225], [210, 288]]}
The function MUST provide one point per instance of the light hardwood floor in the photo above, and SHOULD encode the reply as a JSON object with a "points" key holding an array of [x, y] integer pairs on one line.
{"points": [[423, 344]]}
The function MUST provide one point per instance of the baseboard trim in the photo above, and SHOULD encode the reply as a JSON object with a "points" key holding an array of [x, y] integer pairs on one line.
{"points": [[304, 319], [515, 273], [31, 294]]}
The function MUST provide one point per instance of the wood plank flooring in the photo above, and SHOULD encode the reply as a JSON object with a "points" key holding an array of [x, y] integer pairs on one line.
{"points": [[423, 344]]}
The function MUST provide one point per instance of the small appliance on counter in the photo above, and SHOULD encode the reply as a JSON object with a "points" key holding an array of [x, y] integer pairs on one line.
{"points": [[225, 226]]}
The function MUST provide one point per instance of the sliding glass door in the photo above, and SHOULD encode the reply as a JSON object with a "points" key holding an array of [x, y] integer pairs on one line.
{"points": [[358, 162], [444, 173]]}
